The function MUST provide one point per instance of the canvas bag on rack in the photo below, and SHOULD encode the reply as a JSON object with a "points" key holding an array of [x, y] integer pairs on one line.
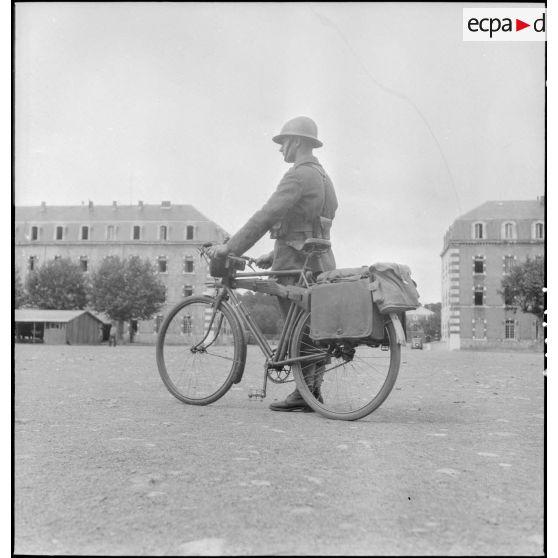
{"points": [[392, 288], [342, 308]]}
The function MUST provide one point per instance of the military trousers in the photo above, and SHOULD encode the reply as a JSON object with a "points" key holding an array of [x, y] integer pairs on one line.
{"points": [[313, 373]]}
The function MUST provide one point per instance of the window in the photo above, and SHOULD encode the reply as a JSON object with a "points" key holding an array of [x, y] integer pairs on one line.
{"points": [[59, 233], [34, 233], [479, 264], [83, 262], [158, 322], [508, 231], [111, 232], [188, 264], [84, 232], [190, 232], [32, 263], [136, 232], [539, 231], [509, 262], [510, 329], [508, 298], [479, 231], [187, 290], [163, 232], [162, 264], [479, 296]]}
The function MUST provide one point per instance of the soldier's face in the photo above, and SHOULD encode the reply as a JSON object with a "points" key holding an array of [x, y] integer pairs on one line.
{"points": [[288, 148]]}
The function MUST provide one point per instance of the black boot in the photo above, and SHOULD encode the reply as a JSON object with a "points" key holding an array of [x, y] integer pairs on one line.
{"points": [[293, 402]]}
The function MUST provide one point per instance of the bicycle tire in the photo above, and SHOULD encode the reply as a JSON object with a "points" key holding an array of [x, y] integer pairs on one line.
{"points": [[353, 385], [203, 376]]}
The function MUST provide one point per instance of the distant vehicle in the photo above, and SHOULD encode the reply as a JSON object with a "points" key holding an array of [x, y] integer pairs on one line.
{"points": [[416, 343], [416, 337]]}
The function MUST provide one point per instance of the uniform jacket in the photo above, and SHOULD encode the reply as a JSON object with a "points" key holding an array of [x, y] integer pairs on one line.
{"points": [[295, 204]]}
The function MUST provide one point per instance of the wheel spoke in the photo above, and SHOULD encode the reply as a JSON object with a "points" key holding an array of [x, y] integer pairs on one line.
{"points": [[231, 359]]}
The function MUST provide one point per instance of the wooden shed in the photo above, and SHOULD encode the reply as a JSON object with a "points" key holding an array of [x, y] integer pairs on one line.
{"points": [[56, 327]]}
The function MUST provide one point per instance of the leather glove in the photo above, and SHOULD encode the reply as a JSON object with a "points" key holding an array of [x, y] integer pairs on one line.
{"points": [[218, 251], [265, 262]]}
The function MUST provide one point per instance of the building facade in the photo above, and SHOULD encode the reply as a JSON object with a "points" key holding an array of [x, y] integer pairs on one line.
{"points": [[167, 235], [480, 248]]}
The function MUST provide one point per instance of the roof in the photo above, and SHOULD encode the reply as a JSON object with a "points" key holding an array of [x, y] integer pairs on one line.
{"points": [[145, 212], [521, 209], [100, 316], [39, 315]]}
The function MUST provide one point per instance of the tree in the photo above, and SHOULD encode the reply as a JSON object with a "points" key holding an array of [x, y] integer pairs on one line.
{"points": [[126, 290], [20, 296], [57, 285], [433, 324], [265, 311], [523, 287]]}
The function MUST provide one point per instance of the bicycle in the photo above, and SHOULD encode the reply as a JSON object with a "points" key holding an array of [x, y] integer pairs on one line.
{"points": [[201, 346]]}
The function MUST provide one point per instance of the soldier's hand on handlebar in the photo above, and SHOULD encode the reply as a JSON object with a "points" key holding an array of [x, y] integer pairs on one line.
{"points": [[217, 251], [264, 262]]}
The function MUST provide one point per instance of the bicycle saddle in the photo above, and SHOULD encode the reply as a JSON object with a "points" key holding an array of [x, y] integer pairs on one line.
{"points": [[319, 245]]}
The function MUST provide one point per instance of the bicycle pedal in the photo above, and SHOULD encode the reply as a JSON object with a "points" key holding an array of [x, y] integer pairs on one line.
{"points": [[256, 394]]}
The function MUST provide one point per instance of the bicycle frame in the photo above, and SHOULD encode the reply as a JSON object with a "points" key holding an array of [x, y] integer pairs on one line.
{"points": [[275, 357], [278, 358]]}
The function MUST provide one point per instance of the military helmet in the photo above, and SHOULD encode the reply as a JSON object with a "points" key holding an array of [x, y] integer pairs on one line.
{"points": [[300, 126]]}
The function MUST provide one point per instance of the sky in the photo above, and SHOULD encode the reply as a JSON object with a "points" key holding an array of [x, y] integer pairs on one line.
{"points": [[179, 102]]}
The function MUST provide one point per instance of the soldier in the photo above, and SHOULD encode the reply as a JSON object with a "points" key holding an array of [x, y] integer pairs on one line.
{"points": [[303, 206]]}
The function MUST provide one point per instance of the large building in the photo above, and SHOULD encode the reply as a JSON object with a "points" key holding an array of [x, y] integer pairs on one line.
{"points": [[168, 235], [481, 247]]}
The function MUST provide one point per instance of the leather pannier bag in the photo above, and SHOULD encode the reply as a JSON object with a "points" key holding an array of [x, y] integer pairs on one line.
{"points": [[344, 310], [392, 288]]}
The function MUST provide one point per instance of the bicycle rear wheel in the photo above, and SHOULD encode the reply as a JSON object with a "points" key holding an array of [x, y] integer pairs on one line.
{"points": [[352, 380], [200, 352]]}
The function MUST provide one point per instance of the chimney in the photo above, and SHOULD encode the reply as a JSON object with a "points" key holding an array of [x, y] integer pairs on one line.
{"points": [[165, 205], [43, 207], [114, 205], [140, 205], [90, 206]]}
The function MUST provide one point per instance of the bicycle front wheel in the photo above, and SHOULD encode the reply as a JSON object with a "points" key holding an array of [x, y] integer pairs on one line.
{"points": [[200, 350], [352, 380]]}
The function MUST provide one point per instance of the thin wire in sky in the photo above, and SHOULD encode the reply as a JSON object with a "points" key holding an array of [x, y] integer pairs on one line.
{"points": [[328, 23]]}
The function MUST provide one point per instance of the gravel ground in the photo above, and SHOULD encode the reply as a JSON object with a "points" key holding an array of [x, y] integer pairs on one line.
{"points": [[108, 462]]}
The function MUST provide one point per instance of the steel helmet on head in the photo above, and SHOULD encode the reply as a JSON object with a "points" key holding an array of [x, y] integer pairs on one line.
{"points": [[300, 126]]}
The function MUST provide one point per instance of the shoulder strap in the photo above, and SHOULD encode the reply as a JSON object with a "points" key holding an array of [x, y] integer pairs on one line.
{"points": [[330, 199], [322, 223]]}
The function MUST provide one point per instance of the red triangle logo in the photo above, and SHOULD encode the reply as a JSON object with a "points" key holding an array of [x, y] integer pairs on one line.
{"points": [[519, 25]]}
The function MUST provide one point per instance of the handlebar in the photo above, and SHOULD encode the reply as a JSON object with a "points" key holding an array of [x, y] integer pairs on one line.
{"points": [[241, 259], [230, 262]]}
